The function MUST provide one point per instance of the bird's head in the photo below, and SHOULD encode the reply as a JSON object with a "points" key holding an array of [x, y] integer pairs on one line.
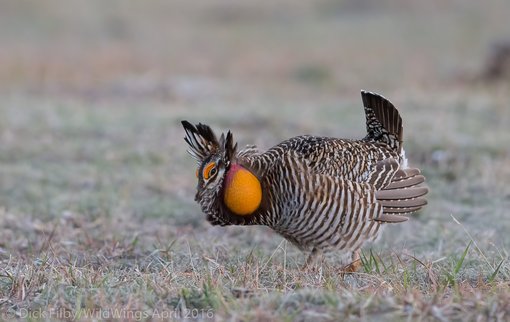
{"points": [[227, 191]]}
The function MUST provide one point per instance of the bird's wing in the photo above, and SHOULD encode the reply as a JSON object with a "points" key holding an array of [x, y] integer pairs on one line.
{"points": [[404, 194]]}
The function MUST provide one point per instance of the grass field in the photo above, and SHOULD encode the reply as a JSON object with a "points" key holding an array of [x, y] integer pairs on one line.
{"points": [[97, 217]]}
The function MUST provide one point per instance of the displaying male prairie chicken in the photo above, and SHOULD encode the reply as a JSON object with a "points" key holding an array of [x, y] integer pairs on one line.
{"points": [[320, 193]]}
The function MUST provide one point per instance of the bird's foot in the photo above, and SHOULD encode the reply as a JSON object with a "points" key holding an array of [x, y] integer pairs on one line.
{"points": [[355, 265]]}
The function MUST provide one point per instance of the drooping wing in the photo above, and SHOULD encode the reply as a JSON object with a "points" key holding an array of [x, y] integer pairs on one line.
{"points": [[328, 211], [404, 194], [399, 191]]}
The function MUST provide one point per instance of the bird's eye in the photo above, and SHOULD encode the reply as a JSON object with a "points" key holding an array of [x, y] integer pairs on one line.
{"points": [[209, 170]]}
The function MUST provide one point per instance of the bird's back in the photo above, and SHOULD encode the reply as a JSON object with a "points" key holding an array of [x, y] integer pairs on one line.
{"points": [[348, 159]]}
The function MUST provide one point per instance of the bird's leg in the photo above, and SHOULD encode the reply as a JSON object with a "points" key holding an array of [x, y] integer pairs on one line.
{"points": [[312, 258], [355, 265]]}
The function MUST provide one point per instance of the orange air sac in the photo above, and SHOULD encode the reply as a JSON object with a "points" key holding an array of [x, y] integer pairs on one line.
{"points": [[243, 192]]}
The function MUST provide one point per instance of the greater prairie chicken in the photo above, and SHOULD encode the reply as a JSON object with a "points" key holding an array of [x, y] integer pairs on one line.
{"points": [[320, 193]]}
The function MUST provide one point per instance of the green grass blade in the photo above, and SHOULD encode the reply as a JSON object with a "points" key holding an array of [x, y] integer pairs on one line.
{"points": [[461, 260], [496, 271]]}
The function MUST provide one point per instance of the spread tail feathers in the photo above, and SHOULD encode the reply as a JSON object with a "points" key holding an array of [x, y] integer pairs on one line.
{"points": [[384, 123]]}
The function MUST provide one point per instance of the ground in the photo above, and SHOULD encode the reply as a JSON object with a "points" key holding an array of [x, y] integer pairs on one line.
{"points": [[97, 217]]}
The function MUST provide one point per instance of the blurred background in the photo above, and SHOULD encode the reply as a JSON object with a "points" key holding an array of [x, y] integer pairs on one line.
{"points": [[96, 187], [92, 94], [162, 49]]}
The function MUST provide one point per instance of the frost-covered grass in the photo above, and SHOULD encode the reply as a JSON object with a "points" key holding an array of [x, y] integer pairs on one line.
{"points": [[97, 217]]}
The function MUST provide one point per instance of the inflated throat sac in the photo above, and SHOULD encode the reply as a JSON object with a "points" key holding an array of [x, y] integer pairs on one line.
{"points": [[243, 192]]}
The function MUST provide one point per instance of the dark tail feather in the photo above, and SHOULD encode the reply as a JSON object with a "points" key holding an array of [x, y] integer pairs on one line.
{"points": [[384, 123]]}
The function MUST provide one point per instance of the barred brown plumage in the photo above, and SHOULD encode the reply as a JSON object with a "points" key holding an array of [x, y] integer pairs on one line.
{"points": [[320, 193]]}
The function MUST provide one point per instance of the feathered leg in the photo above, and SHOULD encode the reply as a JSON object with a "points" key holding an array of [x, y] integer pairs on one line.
{"points": [[312, 258]]}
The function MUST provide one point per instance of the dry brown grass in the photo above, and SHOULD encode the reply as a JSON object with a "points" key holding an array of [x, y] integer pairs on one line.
{"points": [[96, 191]]}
